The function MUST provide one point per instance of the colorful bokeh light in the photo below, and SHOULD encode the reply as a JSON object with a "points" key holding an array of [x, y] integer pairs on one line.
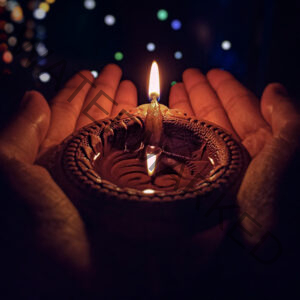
{"points": [[178, 55], [226, 45], [119, 56], [109, 20], [162, 15], [150, 47], [176, 24]]}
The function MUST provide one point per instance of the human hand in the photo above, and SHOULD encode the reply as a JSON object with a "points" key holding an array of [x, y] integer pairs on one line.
{"points": [[269, 130], [56, 230]]}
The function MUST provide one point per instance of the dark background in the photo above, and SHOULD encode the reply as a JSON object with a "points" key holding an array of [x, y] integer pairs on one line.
{"points": [[264, 37]]}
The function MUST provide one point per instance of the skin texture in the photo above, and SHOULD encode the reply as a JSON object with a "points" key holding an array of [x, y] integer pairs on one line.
{"points": [[269, 129]]}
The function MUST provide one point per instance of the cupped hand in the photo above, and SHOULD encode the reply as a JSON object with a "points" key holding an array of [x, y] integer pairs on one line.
{"points": [[269, 130], [57, 230]]}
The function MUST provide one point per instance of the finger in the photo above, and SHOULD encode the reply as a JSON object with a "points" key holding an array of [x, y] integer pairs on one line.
{"points": [[66, 107], [203, 99], [280, 112], [241, 105], [126, 98], [179, 99], [242, 108], [100, 100], [21, 139]]}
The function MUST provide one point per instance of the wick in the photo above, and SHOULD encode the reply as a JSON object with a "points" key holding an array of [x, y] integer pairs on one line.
{"points": [[154, 122]]}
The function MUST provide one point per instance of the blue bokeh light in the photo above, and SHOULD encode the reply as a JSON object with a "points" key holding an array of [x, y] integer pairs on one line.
{"points": [[176, 24]]}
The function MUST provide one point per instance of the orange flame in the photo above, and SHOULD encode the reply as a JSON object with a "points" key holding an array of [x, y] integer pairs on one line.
{"points": [[154, 89]]}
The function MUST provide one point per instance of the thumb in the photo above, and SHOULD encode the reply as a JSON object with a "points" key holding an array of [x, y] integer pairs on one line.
{"points": [[280, 112], [22, 137]]}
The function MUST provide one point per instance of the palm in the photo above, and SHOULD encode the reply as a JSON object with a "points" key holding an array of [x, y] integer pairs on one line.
{"points": [[265, 129], [59, 230]]}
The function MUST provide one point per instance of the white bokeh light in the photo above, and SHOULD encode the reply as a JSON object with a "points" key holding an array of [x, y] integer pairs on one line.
{"points": [[44, 77], [9, 28], [41, 49], [109, 20], [150, 47], [39, 14], [226, 45], [12, 41], [178, 55], [10, 5], [89, 4]]}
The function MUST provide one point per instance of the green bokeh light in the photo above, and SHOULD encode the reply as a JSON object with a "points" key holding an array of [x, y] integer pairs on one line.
{"points": [[162, 15], [119, 56], [173, 83]]}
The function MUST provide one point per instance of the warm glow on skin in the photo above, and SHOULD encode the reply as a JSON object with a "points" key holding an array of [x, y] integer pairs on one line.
{"points": [[154, 90]]}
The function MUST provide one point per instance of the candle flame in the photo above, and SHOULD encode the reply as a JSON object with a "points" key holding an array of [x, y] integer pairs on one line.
{"points": [[154, 89]]}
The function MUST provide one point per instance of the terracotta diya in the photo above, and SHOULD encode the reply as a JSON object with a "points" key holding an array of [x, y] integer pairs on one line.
{"points": [[151, 172]]}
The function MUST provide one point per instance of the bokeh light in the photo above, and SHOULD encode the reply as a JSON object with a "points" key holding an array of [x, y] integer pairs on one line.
{"points": [[41, 49], [44, 77], [12, 41], [162, 15], [2, 3], [11, 5], [176, 24], [27, 46], [9, 28], [2, 24], [178, 55], [44, 6], [30, 24], [25, 62], [109, 20], [42, 62], [3, 47], [29, 34], [119, 56], [226, 45], [7, 57], [150, 47], [50, 1], [31, 5], [89, 4], [39, 14], [95, 73], [17, 14]]}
